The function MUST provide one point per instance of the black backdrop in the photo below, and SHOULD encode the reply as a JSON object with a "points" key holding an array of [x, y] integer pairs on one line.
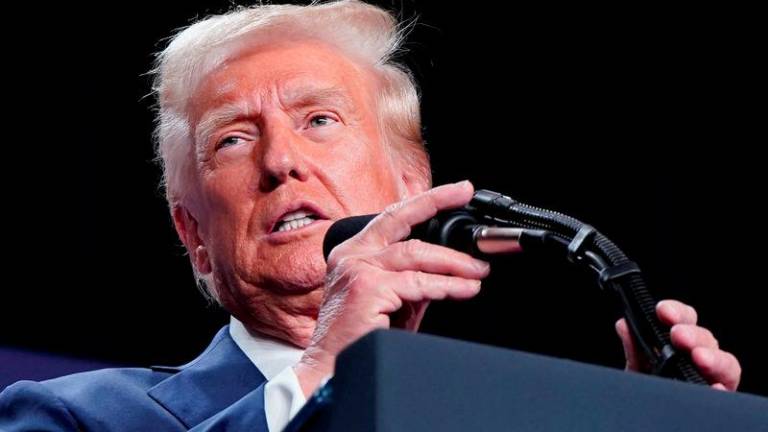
{"points": [[637, 120]]}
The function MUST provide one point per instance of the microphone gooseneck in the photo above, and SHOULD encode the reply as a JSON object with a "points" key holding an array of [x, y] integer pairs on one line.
{"points": [[495, 224]]}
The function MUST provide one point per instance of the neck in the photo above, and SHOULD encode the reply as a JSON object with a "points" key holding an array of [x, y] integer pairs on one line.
{"points": [[289, 318]]}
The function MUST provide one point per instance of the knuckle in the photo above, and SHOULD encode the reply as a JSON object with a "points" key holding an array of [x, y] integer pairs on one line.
{"points": [[391, 210], [417, 279], [414, 248], [709, 335], [423, 285]]}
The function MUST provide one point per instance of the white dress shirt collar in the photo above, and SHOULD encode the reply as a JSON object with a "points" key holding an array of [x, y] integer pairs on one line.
{"points": [[271, 356]]}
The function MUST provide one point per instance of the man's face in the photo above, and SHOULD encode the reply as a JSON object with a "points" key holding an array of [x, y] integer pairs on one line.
{"points": [[288, 131]]}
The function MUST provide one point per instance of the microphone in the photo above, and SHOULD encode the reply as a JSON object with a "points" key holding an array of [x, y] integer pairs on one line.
{"points": [[471, 229], [456, 229]]}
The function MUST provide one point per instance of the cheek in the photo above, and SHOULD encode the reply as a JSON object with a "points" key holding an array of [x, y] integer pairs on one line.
{"points": [[229, 187], [229, 205], [365, 179]]}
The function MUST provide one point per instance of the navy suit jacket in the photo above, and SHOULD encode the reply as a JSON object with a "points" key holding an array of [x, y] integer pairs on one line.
{"points": [[220, 390]]}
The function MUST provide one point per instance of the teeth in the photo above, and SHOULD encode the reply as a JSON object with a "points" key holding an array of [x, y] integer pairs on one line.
{"points": [[294, 223], [295, 215]]}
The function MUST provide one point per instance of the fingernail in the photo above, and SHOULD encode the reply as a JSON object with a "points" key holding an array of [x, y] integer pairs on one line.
{"points": [[482, 266], [464, 183]]}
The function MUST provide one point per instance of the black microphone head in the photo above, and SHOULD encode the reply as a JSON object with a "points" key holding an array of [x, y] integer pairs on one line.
{"points": [[342, 230]]}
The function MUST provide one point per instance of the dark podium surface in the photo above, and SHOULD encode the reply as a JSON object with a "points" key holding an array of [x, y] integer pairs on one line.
{"points": [[398, 381]]}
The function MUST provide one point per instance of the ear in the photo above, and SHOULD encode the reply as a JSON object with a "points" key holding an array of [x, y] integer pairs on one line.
{"points": [[412, 185], [412, 180], [187, 229]]}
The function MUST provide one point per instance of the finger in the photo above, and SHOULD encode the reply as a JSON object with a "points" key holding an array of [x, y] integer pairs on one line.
{"points": [[421, 256], [688, 337], [717, 366], [672, 312], [630, 351], [395, 223], [719, 386], [415, 286]]}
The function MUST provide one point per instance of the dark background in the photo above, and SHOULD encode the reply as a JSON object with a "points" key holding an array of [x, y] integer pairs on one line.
{"points": [[644, 122]]}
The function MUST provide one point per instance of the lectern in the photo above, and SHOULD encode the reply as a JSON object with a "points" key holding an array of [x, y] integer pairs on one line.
{"points": [[395, 381]]}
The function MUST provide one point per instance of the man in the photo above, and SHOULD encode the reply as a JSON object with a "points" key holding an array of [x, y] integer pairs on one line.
{"points": [[273, 122]]}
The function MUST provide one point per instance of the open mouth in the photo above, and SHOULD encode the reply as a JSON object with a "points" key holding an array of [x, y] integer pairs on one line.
{"points": [[295, 220]]}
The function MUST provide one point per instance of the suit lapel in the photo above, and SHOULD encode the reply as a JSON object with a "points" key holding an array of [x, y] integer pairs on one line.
{"points": [[219, 377]]}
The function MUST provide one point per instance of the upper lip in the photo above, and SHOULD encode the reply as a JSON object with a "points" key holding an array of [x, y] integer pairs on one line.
{"points": [[279, 212]]}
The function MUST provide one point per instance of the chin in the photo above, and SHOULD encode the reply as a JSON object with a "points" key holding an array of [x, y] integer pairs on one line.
{"points": [[297, 273], [296, 266], [306, 277]]}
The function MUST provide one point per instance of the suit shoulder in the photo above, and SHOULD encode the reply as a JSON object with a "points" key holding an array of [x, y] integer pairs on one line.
{"points": [[106, 397], [109, 377], [95, 388], [105, 383], [29, 405]]}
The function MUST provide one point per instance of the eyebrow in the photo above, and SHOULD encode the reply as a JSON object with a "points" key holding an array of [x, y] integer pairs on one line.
{"points": [[219, 117], [302, 97], [295, 99]]}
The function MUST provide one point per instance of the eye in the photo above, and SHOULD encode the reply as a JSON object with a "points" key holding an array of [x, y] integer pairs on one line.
{"points": [[321, 120], [229, 141]]}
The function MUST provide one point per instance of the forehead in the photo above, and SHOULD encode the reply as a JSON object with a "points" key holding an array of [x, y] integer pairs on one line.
{"points": [[286, 70]]}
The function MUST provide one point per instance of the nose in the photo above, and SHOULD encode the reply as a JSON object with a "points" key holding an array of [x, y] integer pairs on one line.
{"points": [[281, 158]]}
